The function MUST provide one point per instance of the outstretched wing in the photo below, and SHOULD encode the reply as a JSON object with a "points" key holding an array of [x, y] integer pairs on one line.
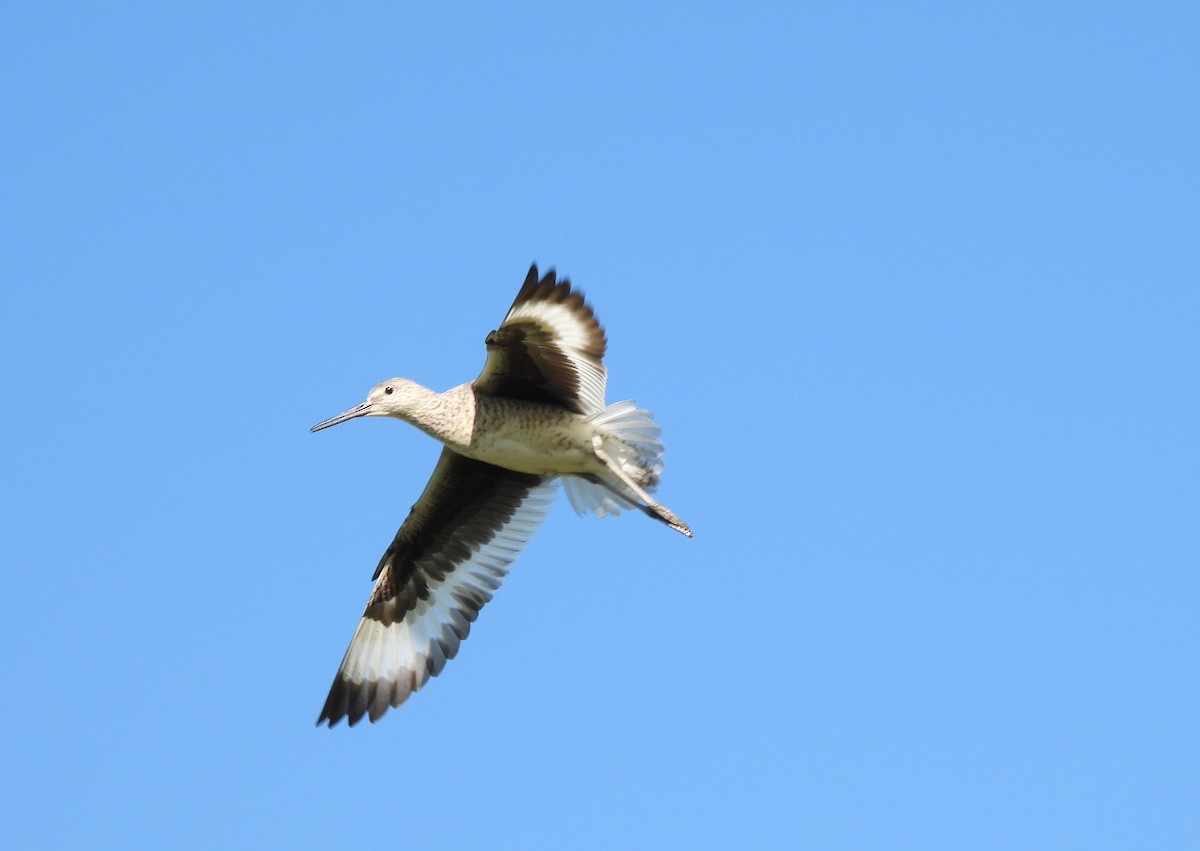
{"points": [[549, 349], [451, 553]]}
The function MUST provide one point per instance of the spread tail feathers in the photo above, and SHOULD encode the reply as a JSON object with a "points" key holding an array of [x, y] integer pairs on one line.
{"points": [[629, 446]]}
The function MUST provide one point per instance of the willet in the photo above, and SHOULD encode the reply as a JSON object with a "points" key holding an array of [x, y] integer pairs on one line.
{"points": [[535, 414]]}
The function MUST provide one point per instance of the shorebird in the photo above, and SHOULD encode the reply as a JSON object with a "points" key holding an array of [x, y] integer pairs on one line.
{"points": [[535, 414]]}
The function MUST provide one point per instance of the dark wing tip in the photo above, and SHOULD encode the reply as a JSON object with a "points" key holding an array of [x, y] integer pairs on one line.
{"points": [[353, 701], [551, 288], [345, 700], [337, 705], [530, 285], [547, 287], [541, 287]]}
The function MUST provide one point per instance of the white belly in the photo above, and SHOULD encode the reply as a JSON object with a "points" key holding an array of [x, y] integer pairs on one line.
{"points": [[543, 440], [520, 456]]}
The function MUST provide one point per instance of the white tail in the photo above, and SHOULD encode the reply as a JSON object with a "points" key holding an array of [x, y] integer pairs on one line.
{"points": [[631, 439]]}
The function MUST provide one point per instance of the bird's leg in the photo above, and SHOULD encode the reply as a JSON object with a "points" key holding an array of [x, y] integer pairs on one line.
{"points": [[651, 507]]}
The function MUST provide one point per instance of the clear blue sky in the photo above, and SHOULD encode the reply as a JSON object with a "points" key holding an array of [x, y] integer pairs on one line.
{"points": [[915, 293]]}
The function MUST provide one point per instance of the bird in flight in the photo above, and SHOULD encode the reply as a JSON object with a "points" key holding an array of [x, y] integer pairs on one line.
{"points": [[535, 414]]}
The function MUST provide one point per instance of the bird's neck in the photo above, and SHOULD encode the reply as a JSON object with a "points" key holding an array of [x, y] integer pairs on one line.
{"points": [[449, 416]]}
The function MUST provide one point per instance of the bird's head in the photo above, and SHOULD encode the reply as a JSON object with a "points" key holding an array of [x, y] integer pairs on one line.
{"points": [[387, 398]]}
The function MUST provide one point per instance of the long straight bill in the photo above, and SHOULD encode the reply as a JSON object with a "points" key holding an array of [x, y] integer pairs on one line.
{"points": [[356, 411]]}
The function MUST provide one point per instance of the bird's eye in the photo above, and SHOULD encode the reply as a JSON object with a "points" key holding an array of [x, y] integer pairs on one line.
{"points": [[388, 390]]}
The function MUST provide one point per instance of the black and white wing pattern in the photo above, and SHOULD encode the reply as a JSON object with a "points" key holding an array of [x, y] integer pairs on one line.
{"points": [[549, 349], [450, 554]]}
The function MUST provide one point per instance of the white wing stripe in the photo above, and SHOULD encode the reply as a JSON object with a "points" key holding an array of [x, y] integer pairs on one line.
{"points": [[573, 338], [401, 656]]}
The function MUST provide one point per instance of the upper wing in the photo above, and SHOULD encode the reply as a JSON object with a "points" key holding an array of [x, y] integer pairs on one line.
{"points": [[450, 554], [549, 349]]}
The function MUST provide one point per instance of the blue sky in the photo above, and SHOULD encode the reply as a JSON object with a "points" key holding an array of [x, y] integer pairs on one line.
{"points": [[913, 292]]}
